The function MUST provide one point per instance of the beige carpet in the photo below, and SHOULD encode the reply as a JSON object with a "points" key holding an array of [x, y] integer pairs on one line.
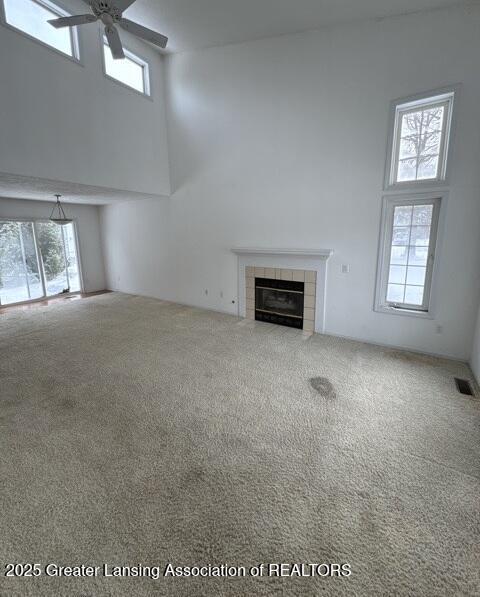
{"points": [[134, 431]]}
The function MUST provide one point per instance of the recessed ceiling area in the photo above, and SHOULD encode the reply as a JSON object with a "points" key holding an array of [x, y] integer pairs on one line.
{"points": [[193, 24]]}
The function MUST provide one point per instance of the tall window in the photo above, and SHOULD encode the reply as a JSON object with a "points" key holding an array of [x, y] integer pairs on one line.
{"points": [[418, 158], [32, 16], [37, 259], [409, 234], [420, 140], [131, 70]]}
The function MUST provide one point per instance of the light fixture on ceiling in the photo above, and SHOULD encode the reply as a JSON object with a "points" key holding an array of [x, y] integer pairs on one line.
{"points": [[58, 214]]}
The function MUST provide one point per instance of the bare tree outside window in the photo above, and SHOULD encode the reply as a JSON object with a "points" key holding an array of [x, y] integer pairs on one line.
{"points": [[420, 144], [420, 140]]}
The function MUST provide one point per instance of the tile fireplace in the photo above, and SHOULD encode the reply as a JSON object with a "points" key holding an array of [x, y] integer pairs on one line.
{"points": [[283, 286], [281, 296]]}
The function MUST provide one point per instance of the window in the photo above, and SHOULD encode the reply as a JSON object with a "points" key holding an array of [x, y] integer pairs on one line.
{"points": [[32, 16], [37, 259], [420, 140], [409, 236], [131, 70]]}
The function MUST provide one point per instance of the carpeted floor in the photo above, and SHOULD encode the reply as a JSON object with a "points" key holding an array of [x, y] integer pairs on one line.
{"points": [[134, 431]]}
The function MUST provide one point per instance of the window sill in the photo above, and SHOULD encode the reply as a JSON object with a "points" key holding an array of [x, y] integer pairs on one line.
{"points": [[432, 184], [407, 312]]}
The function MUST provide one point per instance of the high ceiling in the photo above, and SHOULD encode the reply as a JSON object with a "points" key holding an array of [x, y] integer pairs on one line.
{"points": [[193, 24]]}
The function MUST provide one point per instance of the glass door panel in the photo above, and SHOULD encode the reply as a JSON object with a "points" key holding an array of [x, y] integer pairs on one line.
{"points": [[50, 245], [59, 257], [19, 270], [71, 256]]}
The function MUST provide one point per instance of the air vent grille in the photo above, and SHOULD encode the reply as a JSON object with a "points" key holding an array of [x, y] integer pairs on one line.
{"points": [[464, 386]]}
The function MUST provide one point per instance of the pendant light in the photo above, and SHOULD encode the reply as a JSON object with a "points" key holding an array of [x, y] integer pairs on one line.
{"points": [[58, 215]]}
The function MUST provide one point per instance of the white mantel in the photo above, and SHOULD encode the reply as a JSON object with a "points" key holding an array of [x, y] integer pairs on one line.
{"points": [[287, 258], [322, 253]]}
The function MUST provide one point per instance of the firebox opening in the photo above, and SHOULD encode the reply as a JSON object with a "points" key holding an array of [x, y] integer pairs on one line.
{"points": [[279, 301]]}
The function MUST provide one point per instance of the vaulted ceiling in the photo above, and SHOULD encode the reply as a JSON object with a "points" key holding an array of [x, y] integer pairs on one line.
{"points": [[193, 24]]}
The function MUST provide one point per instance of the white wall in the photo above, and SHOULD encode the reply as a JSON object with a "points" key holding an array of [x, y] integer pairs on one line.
{"points": [[475, 358], [281, 142], [64, 121], [88, 230], [136, 245]]}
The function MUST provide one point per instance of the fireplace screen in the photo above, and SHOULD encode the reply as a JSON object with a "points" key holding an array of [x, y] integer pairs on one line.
{"points": [[279, 301]]}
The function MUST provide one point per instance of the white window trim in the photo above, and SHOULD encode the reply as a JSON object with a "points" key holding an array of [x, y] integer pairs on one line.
{"points": [[389, 202], [449, 95], [61, 12], [147, 93]]}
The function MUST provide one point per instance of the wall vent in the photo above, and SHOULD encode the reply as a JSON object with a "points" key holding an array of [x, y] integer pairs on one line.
{"points": [[464, 386]]}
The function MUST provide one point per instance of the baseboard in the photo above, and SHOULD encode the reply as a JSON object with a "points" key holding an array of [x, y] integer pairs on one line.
{"points": [[168, 300], [399, 347], [352, 338]]}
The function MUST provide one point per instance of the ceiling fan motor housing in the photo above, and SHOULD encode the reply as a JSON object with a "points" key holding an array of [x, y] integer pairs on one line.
{"points": [[103, 8]]}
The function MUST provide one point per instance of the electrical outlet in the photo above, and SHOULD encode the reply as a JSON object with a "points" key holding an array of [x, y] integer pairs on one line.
{"points": [[439, 329], [221, 293], [206, 291], [345, 268]]}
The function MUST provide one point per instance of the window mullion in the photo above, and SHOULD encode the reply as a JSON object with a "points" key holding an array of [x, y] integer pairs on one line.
{"points": [[65, 257], [24, 259], [41, 267], [408, 254]]}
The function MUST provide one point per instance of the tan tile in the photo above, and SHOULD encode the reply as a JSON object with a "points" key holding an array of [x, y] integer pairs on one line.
{"points": [[260, 272], [250, 282], [309, 289], [249, 271], [308, 326], [309, 301], [298, 275], [286, 274], [310, 276], [250, 314], [278, 274], [250, 293], [270, 273], [309, 314], [250, 305]]}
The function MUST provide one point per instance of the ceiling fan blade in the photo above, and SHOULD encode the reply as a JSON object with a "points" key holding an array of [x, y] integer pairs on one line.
{"points": [[147, 34], [114, 42], [72, 21]]}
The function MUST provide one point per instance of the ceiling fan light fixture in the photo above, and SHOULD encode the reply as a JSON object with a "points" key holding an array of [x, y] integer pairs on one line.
{"points": [[58, 215], [110, 12]]}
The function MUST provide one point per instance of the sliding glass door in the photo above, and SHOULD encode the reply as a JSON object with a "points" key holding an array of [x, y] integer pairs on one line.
{"points": [[37, 259], [20, 278], [57, 249]]}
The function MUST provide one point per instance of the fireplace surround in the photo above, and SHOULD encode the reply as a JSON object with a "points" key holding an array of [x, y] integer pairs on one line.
{"points": [[308, 266], [289, 296]]}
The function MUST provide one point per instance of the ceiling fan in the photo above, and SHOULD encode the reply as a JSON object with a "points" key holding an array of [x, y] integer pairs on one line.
{"points": [[110, 13]]}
